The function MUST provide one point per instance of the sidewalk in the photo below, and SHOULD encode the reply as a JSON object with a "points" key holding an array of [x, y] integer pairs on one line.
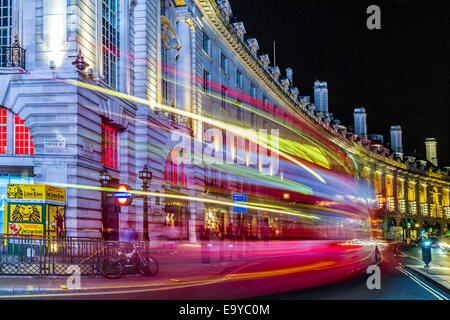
{"points": [[439, 276], [182, 267]]}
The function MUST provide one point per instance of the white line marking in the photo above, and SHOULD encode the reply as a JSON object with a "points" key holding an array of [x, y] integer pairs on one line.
{"points": [[422, 284]]}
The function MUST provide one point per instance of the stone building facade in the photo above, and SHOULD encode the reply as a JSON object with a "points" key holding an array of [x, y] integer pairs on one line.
{"points": [[189, 55]]}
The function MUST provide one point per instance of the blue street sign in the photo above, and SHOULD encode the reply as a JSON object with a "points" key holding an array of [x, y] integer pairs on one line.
{"points": [[122, 194], [239, 198]]}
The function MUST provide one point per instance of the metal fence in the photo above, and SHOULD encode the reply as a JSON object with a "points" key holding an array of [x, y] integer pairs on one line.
{"points": [[31, 255], [12, 57]]}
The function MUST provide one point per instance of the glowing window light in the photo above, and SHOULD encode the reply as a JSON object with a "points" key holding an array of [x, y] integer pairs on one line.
{"points": [[54, 30]]}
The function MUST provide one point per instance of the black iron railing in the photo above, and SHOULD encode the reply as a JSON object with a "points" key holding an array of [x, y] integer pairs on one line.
{"points": [[31, 255], [12, 57]]}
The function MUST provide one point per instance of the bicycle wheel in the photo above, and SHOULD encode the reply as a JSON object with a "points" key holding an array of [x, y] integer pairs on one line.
{"points": [[149, 266], [111, 268]]}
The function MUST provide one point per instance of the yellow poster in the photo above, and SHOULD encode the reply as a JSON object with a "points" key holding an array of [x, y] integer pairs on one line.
{"points": [[55, 194], [51, 220], [25, 213], [36, 192], [26, 229]]}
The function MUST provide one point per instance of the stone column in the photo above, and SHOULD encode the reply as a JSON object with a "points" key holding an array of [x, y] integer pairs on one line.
{"points": [[184, 72]]}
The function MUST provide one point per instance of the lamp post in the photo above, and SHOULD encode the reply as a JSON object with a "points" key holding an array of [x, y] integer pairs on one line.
{"points": [[105, 179], [146, 176]]}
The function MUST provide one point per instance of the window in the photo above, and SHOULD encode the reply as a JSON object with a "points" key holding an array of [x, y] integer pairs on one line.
{"points": [[206, 43], [224, 63], [164, 75], [411, 191], [110, 40], [253, 120], [239, 113], [5, 29], [5, 22], [206, 81], [239, 78], [224, 98], [110, 153], [15, 137], [22, 139], [252, 90], [3, 130]]}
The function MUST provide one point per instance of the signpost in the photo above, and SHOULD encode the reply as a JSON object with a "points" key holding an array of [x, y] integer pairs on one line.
{"points": [[239, 198], [122, 195]]}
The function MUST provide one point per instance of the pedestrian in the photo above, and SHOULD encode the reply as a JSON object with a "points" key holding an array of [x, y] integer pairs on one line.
{"points": [[230, 241], [205, 245], [129, 236]]}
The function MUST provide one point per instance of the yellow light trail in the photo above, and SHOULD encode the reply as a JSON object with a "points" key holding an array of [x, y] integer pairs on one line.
{"points": [[231, 128], [197, 199]]}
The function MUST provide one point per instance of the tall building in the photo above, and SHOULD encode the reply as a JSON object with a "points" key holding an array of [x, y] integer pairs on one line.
{"points": [[360, 122], [431, 150], [376, 137], [321, 96], [396, 139]]}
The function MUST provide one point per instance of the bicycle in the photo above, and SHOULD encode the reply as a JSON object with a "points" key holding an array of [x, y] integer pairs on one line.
{"points": [[113, 268]]}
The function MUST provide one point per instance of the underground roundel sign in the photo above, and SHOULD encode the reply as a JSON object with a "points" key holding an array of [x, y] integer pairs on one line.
{"points": [[123, 196]]}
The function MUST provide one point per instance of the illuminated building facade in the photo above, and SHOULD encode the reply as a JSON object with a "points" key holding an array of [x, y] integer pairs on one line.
{"points": [[184, 54]]}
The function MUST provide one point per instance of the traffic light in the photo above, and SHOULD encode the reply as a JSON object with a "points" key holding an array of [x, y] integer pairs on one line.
{"points": [[408, 224]]}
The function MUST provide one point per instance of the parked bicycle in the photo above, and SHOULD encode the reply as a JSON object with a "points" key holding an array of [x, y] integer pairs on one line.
{"points": [[135, 261]]}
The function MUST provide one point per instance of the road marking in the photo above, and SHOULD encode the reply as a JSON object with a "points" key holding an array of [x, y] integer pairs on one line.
{"points": [[170, 286], [407, 255], [423, 285]]}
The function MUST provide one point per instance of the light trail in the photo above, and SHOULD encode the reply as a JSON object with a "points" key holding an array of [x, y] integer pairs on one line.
{"points": [[219, 87], [231, 128], [262, 207]]}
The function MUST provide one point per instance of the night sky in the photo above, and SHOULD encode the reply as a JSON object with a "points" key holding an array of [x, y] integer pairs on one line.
{"points": [[399, 74]]}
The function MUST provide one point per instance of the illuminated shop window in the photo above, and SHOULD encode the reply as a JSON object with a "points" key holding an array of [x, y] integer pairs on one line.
{"points": [[110, 154], [110, 40], [3, 131], [23, 143]]}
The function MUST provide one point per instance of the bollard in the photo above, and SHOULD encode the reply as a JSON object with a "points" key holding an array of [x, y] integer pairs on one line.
{"points": [[426, 252]]}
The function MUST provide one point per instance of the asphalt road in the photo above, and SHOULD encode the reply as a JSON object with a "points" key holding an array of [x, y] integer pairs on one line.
{"points": [[397, 283]]}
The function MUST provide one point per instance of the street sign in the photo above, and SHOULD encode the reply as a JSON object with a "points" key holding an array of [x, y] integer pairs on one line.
{"points": [[239, 198], [123, 197]]}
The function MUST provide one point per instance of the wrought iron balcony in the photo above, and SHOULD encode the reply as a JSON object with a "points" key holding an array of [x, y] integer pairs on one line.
{"points": [[12, 57]]}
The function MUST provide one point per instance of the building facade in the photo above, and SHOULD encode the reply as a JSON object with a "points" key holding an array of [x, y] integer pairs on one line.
{"points": [[88, 86]]}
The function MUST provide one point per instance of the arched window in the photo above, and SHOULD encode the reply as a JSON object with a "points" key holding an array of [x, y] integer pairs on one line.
{"points": [[15, 136]]}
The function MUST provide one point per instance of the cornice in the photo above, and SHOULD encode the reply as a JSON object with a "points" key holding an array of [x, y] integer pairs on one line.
{"points": [[249, 60]]}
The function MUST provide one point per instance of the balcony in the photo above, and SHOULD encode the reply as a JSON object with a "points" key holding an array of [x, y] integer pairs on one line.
{"points": [[12, 57]]}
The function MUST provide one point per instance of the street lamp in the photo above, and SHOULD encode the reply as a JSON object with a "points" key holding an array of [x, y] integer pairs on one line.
{"points": [[146, 176], [105, 179]]}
